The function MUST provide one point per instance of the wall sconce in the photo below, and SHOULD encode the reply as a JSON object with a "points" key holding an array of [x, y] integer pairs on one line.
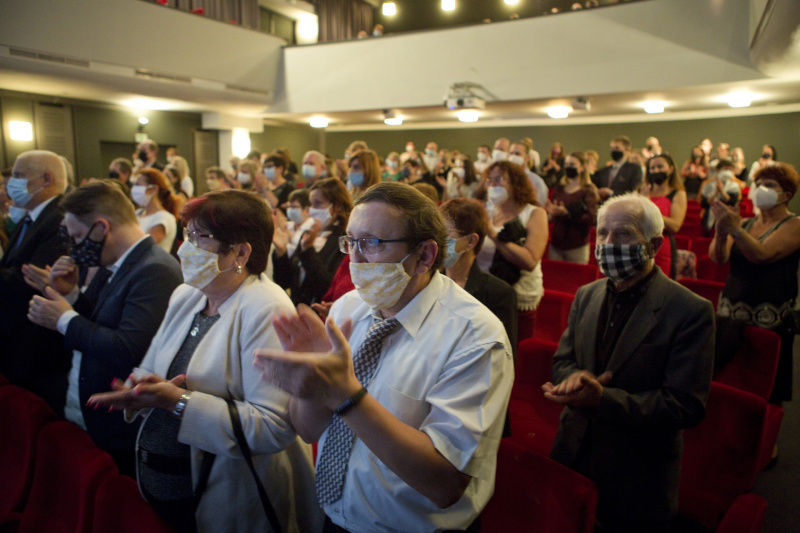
{"points": [[20, 131], [389, 9]]}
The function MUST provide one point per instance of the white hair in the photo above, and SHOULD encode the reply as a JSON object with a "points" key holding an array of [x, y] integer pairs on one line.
{"points": [[319, 156], [651, 222]]}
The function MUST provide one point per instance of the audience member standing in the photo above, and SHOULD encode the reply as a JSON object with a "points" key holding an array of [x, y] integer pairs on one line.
{"points": [[665, 190], [158, 207], [620, 177], [553, 168], [694, 171]]}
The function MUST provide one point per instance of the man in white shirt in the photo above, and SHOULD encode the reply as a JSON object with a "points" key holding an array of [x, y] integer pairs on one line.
{"points": [[418, 452], [109, 327]]}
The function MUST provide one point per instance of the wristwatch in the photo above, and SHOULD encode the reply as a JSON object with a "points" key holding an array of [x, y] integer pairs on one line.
{"points": [[180, 406]]}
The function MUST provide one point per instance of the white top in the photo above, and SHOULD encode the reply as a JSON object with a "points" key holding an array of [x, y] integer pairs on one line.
{"points": [[448, 372], [530, 285], [187, 186], [460, 190], [539, 185], [164, 218]]}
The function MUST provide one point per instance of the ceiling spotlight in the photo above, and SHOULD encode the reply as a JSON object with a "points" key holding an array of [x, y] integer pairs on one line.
{"points": [[448, 5], [318, 122], [468, 115], [394, 121], [389, 9], [559, 111], [512, 2], [653, 106], [740, 99], [144, 121]]}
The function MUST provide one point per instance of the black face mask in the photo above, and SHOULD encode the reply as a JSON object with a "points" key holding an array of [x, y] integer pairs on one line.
{"points": [[113, 174], [143, 155], [87, 252], [616, 155], [766, 155], [571, 172], [406, 172], [658, 177]]}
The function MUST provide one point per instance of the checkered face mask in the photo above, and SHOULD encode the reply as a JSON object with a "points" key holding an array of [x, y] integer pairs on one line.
{"points": [[620, 261]]}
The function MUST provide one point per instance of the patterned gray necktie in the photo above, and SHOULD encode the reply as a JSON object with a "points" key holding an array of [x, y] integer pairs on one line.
{"points": [[332, 463]]}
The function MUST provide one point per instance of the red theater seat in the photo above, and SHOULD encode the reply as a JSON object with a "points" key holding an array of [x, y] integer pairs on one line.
{"points": [[566, 277], [119, 507], [710, 290]]}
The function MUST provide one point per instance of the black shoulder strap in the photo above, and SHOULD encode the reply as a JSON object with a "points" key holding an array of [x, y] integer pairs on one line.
{"points": [[237, 430]]}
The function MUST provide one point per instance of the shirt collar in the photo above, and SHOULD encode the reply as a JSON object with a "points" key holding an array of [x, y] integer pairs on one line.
{"points": [[36, 211]]}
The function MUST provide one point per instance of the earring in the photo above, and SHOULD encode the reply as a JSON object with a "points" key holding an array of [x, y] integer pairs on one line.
{"points": [[238, 269]]}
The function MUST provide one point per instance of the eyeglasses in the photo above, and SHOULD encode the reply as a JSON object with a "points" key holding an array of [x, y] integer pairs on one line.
{"points": [[367, 245]]}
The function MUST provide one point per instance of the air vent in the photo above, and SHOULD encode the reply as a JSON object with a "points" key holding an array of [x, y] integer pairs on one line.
{"points": [[64, 60], [245, 89], [153, 75]]}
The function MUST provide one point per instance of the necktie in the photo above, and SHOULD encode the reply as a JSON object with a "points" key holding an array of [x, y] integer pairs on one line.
{"points": [[26, 224], [332, 463]]}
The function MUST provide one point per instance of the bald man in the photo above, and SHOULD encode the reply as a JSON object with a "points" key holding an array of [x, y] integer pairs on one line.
{"points": [[32, 356]]}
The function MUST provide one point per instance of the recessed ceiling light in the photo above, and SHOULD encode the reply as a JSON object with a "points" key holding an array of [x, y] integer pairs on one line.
{"points": [[468, 115], [653, 106], [318, 122], [394, 121], [559, 111], [512, 2], [144, 121], [740, 99], [389, 9], [448, 5]]}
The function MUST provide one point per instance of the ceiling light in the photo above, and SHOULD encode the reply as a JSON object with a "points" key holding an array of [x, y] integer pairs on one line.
{"points": [[740, 99], [468, 115], [653, 106], [318, 122], [448, 5], [20, 131], [559, 111], [144, 121], [394, 121], [389, 9], [512, 2], [240, 142]]}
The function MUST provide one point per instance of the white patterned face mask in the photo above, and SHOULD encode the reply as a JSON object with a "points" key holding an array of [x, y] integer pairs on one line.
{"points": [[380, 285], [199, 266]]}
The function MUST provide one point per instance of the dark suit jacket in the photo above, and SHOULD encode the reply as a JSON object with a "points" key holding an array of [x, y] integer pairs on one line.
{"points": [[498, 296], [627, 179], [631, 444], [32, 356], [114, 334]]}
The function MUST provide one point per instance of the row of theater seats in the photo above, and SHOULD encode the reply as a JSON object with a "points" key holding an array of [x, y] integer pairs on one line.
{"points": [[54, 479], [722, 456]]}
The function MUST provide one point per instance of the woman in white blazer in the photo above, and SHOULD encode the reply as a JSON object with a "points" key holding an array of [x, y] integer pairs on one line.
{"points": [[201, 357]]}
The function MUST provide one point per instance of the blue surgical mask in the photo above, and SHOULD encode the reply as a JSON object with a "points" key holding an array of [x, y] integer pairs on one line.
{"points": [[355, 178], [295, 214], [269, 172], [452, 256], [309, 171], [17, 189], [430, 153]]}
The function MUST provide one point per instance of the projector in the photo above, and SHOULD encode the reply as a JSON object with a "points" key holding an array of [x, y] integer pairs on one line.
{"points": [[465, 102]]}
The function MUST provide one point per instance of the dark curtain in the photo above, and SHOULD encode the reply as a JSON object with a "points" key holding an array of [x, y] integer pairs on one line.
{"points": [[243, 12], [343, 19]]}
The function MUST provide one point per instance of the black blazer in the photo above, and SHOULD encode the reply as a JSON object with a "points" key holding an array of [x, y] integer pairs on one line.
{"points": [[114, 334], [627, 179], [498, 296], [31, 356]]}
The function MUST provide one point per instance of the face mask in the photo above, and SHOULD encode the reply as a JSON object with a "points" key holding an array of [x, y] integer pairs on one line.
{"points": [[765, 198], [406, 172], [482, 157], [244, 179], [459, 172], [140, 196], [616, 155], [321, 214], [309, 171], [213, 185], [355, 179], [143, 156], [199, 267], [571, 172], [452, 256], [380, 285], [516, 159], [620, 261], [658, 177], [17, 189], [87, 252], [295, 214], [430, 153], [392, 164], [725, 175], [697, 156], [376, 33], [766, 155], [113, 174], [270, 173], [497, 195], [16, 213], [499, 155], [409, 148]]}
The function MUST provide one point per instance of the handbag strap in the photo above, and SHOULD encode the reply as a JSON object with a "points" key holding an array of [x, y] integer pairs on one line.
{"points": [[239, 433]]}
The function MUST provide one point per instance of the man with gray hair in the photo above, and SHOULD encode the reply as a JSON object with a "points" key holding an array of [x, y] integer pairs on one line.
{"points": [[314, 167], [33, 357], [633, 369]]}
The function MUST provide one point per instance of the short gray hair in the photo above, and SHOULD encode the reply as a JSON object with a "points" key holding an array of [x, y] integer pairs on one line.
{"points": [[319, 156], [651, 222]]}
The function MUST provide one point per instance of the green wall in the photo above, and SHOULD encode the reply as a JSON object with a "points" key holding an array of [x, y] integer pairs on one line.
{"points": [[298, 139]]}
